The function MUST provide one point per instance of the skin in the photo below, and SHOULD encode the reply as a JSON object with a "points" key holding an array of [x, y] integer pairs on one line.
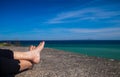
{"points": [[28, 58]]}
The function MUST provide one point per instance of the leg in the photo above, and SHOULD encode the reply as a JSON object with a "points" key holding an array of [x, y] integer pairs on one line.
{"points": [[6, 53], [33, 55], [20, 60], [25, 64], [9, 66]]}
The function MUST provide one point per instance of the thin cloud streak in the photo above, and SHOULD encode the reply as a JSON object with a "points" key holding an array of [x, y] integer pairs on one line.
{"points": [[95, 30], [105, 33], [79, 30], [84, 14]]}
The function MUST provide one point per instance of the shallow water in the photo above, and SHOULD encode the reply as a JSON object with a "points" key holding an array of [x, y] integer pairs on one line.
{"points": [[105, 49]]}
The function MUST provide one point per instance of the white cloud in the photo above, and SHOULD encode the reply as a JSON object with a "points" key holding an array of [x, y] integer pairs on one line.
{"points": [[94, 30], [78, 33], [79, 30], [84, 14]]}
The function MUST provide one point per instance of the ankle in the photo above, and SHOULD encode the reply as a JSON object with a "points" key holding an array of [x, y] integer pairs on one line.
{"points": [[30, 55]]}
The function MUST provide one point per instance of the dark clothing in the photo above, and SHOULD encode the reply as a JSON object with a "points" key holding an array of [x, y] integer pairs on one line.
{"points": [[8, 65]]}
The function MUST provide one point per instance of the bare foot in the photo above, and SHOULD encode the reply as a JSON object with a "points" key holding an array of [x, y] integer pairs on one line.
{"points": [[35, 51], [32, 47]]}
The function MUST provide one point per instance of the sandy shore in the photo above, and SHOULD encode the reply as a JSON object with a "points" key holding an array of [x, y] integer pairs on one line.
{"points": [[56, 63]]}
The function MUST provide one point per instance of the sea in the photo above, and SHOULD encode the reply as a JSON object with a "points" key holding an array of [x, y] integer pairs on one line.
{"points": [[100, 48]]}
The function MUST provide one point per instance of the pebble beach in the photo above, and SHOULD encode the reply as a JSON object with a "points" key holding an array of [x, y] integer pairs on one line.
{"points": [[57, 63]]}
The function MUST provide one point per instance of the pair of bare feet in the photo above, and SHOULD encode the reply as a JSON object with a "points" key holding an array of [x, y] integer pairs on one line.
{"points": [[35, 52]]}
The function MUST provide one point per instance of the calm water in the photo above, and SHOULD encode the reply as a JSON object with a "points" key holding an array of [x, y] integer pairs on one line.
{"points": [[101, 48]]}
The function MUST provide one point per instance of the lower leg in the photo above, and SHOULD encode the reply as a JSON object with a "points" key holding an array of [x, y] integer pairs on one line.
{"points": [[18, 55], [11, 66], [24, 64]]}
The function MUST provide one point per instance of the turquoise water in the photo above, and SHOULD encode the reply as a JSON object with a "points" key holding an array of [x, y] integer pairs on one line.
{"points": [[94, 51], [111, 51], [100, 48]]}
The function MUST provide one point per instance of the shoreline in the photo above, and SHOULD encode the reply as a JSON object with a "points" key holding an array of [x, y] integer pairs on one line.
{"points": [[77, 53], [57, 63]]}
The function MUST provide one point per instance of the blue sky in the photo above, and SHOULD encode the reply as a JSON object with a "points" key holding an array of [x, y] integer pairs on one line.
{"points": [[59, 19]]}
